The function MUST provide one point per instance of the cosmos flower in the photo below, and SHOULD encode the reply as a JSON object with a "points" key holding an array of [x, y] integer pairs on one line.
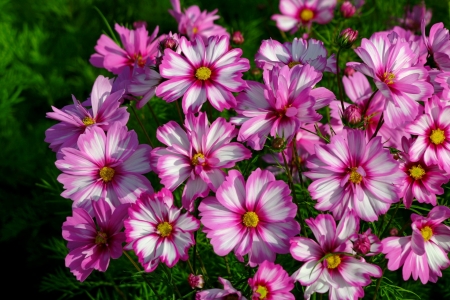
{"points": [[254, 218], [92, 244], [204, 72], [271, 282], [414, 16], [157, 231], [366, 244], [144, 83], [106, 166], [227, 293], [423, 254]]}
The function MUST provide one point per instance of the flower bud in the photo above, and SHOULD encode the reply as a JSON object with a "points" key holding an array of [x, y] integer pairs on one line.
{"points": [[347, 9], [305, 36], [139, 24], [347, 37], [366, 244], [361, 245], [393, 231], [255, 72], [278, 143], [349, 71], [168, 43], [196, 281], [237, 38], [352, 115]]}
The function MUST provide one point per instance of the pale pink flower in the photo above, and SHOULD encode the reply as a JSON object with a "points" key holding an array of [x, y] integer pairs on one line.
{"points": [[254, 218], [299, 52], [271, 282], [366, 244], [144, 83], [106, 166], [390, 62], [421, 181], [157, 231], [204, 72], [326, 268], [414, 16], [302, 13], [76, 118], [281, 106], [424, 253], [227, 293], [195, 23], [197, 155], [353, 175], [438, 45], [92, 244], [138, 49]]}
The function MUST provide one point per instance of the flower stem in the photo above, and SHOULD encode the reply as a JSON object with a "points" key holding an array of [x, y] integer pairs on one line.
{"points": [[179, 112], [378, 284], [228, 266], [390, 220], [153, 114], [142, 274], [339, 82], [169, 277], [380, 123], [142, 126]]}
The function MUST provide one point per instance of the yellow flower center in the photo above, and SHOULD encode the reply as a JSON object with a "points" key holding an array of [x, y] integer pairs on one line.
{"points": [[355, 177], [88, 121], [388, 77], [293, 63], [203, 73], [306, 15], [262, 291], [437, 136], [196, 158], [194, 30], [250, 219], [101, 238], [417, 172], [333, 261], [427, 233], [164, 229], [107, 174]]}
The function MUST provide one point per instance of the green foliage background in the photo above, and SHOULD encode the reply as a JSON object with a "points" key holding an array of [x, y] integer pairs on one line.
{"points": [[45, 46]]}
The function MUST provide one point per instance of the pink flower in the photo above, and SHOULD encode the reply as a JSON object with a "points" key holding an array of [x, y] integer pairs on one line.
{"points": [[281, 106], [438, 46], [144, 83], [196, 281], [391, 65], [352, 114], [326, 268], [194, 23], [271, 282], [157, 231], [347, 9], [76, 118], [91, 244], [237, 38], [204, 72], [228, 292], [197, 156], [105, 166], [415, 15], [254, 218], [297, 13], [299, 52], [138, 49], [352, 175], [433, 137], [421, 181], [424, 254], [366, 244]]}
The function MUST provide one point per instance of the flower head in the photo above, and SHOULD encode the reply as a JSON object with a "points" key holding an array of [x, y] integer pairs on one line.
{"points": [[196, 281], [366, 244], [227, 293], [347, 9], [237, 38], [271, 282], [347, 37]]}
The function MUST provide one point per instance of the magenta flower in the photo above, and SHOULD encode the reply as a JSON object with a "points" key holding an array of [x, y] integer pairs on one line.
{"points": [[144, 83], [76, 118], [281, 106], [198, 155], [438, 46], [366, 244], [391, 65], [254, 218], [299, 52], [415, 15], [105, 166], [91, 244], [326, 267], [352, 175], [228, 292], [421, 181], [195, 23], [196, 281], [204, 72], [271, 282], [157, 231], [433, 136], [301, 13], [138, 49], [424, 254], [347, 9]]}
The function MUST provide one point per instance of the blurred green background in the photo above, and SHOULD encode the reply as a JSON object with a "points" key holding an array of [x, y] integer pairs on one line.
{"points": [[44, 49]]}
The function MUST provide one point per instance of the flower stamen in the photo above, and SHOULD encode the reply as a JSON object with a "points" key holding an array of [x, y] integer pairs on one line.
{"points": [[417, 172], [333, 261], [262, 291], [388, 78], [293, 63], [88, 121], [250, 219], [198, 159], [355, 177], [306, 15], [437, 136], [203, 73], [101, 238], [107, 174], [164, 229], [427, 233]]}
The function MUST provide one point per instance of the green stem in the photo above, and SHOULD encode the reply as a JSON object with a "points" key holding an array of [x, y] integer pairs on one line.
{"points": [[227, 265], [179, 112], [390, 220], [153, 114], [339, 82], [169, 277], [380, 123], [142, 126], [378, 284]]}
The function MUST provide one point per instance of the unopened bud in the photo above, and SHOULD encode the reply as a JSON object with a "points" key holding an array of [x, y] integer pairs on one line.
{"points": [[347, 9], [393, 231], [168, 43], [361, 245], [255, 72], [278, 143], [347, 37], [196, 281], [349, 71], [352, 114], [237, 38], [305, 36]]}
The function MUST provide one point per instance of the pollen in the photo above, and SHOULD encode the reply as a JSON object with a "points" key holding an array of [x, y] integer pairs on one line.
{"points": [[140, 61], [194, 30], [198, 159], [101, 238], [262, 291], [88, 121], [293, 63], [427, 233], [306, 15], [355, 177], [107, 174], [333, 261], [437, 136], [164, 229], [416, 172], [203, 73], [388, 77], [250, 219]]}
